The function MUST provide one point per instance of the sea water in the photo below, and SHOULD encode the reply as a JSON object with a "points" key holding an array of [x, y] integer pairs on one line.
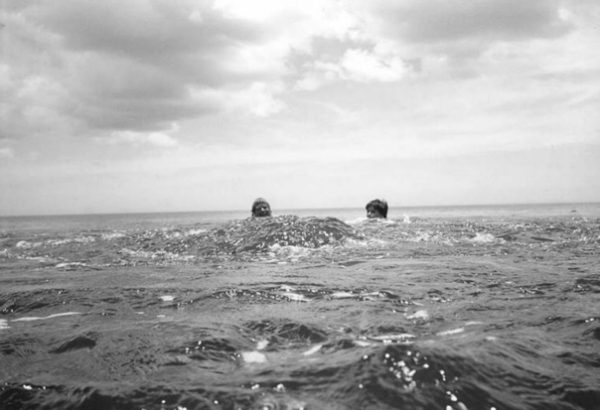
{"points": [[435, 308]]}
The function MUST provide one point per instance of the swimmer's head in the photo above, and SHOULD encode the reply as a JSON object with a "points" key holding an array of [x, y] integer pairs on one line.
{"points": [[261, 208], [377, 208]]}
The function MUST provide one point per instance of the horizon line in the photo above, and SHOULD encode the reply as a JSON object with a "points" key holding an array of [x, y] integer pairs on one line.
{"points": [[300, 209]]}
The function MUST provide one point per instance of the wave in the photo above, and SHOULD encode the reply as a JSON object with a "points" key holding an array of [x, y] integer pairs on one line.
{"points": [[289, 239], [291, 360], [348, 377]]}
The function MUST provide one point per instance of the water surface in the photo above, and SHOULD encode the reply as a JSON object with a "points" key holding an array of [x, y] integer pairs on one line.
{"points": [[437, 308]]}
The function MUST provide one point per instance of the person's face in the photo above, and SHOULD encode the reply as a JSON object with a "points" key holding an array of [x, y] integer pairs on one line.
{"points": [[373, 213], [262, 209]]}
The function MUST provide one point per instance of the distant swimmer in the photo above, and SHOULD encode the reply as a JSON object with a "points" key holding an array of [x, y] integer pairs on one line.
{"points": [[377, 208], [261, 208]]}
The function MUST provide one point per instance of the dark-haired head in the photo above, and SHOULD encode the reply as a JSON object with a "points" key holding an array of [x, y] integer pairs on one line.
{"points": [[261, 208], [377, 208]]}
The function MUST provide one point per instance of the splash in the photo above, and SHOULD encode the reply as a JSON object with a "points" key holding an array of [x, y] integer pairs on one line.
{"points": [[288, 231], [34, 318]]}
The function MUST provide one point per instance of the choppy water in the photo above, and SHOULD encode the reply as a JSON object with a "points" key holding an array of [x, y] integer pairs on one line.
{"points": [[463, 308]]}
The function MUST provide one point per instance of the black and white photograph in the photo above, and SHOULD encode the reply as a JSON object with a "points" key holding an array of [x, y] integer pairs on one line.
{"points": [[300, 205]]}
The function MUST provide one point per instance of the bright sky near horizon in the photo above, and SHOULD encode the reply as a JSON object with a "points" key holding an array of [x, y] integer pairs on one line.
{"points": [[182, 105]]}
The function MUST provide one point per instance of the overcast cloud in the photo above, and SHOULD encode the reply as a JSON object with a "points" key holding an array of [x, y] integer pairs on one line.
{"points": [[151, 105]]}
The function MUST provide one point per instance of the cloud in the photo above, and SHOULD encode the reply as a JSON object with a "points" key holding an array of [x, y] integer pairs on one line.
{"points": [[407, 71], [360, 59], [355, 65], [361, 65], [258, 98], [156, 139], [156, 32], [86, 67], [464, 29], [6, 152], [33, 105], [446, 21]]}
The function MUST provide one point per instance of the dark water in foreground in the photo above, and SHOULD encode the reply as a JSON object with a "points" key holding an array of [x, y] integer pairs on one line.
{"points": [[463, 308]]}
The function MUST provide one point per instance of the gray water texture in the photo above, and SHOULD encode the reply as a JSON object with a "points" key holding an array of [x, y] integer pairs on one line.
{"points": [[472, 309]]}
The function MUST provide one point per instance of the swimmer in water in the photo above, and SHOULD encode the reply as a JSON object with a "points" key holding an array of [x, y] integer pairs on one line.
{"points": [[377, 208], [261, 208]]}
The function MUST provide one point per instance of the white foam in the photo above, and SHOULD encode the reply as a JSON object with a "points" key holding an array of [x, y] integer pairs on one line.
{"points": [[39, 258], [70, 264], [419, 314], [32, 318], [27, 245], [356, 220], [4, 324], [112, 235], [254, 357], [451, 331], [157, 255], [167, 298], [342, 295], [80, 239], [420, 237], [397, 338], [195, 232], [296, 297], [483, 238], [313, 350], [171, 235], [290, 253]]}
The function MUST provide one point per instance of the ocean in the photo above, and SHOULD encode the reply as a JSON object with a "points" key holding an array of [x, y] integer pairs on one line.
{"points": [[452, 308]]}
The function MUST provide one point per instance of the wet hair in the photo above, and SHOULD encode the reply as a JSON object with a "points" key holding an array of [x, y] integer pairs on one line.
{"points": [[379, 205], [257, 202]]}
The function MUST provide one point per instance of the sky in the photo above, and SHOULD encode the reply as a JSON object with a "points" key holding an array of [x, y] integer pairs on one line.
{"points": [[196, 105]]}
